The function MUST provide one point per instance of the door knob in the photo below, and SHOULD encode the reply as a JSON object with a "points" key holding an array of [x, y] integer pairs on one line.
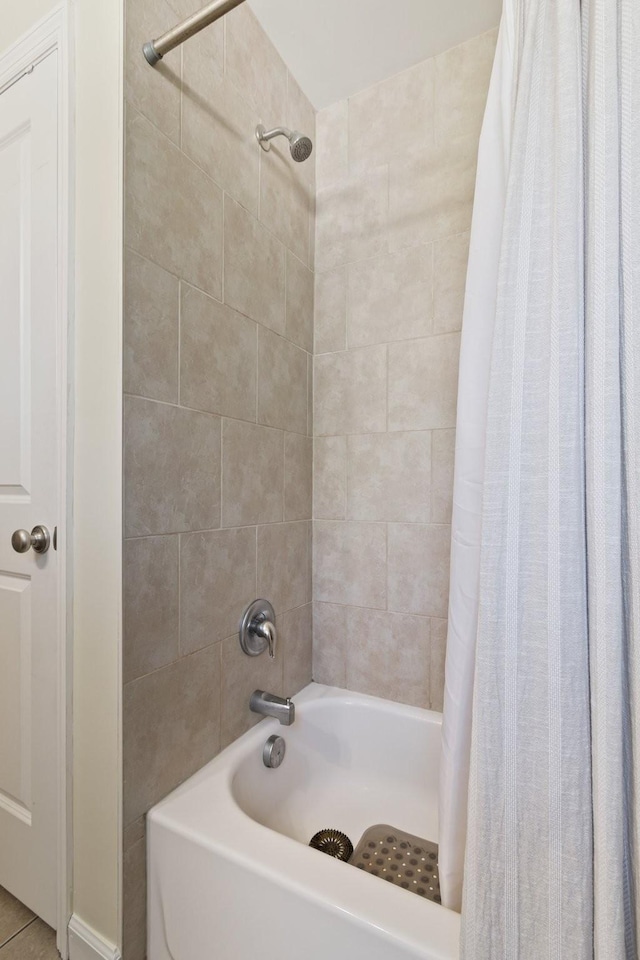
{"points": [[39, 539]]}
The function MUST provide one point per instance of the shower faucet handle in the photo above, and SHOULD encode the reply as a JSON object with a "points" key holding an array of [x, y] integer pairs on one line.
{"points": [[258, 629], [266, 630]]}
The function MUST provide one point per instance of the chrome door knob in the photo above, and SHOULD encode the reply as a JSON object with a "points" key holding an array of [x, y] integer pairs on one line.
{"points": [[39, 539]]}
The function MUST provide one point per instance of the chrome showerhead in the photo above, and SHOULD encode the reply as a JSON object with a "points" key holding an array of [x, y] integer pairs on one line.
{"points": [[300, 146]]}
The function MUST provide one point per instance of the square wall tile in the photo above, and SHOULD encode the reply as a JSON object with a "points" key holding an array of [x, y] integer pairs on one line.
{"points": [[151, 306], [423, 383], [295, 631], [218, 357], [462, 83], [171, 721], [218, 126], [390, 477], [330, 323], [352, 219], [438, 660], [253, 474], [254, 66], [368, 214], [173, 211], [134, 901], [283, 564], [285, 200], [254, 268], [443, 449], [391, 297], [150, 605], [333, 225], [301, 115], [133, 832], [171, 469], [332, 150], [299, 327], [349, 563], [392, 117], [389, 655], [431, 193], [282, 383], [330, 641], [298, 477], [350, 392], [419, 568], [330, 478], [217, 583], [241, 675], [450, 260], [155, 93]]}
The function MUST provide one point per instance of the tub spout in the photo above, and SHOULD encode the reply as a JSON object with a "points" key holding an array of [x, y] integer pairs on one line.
{"points": [[268, 705]]}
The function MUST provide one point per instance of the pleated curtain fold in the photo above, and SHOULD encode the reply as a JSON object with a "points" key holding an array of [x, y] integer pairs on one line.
{"points": [[551, 743]]}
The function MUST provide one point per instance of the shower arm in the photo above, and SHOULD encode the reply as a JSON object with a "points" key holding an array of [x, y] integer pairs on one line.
{"points": [[266, 135], [154, 50]]}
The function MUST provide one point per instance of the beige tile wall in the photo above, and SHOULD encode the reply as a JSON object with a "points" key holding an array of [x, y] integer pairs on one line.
{"points": [[218, 349], [224, 468], [395, 176]]}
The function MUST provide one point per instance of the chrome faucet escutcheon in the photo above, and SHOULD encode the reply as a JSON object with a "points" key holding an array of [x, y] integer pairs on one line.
{"points": [[258, 629]]}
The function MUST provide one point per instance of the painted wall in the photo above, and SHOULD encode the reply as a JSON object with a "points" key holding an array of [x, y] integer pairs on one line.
{"points": [[97, 468], [337, 49], [17, 18], [217, 371], [395, 172]]}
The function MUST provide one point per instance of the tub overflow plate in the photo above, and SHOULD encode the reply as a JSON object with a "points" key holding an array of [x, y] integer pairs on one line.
{"points": [[273, 752]]}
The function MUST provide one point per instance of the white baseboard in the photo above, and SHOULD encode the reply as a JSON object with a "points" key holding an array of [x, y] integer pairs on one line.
{"points": [[86, 944]]}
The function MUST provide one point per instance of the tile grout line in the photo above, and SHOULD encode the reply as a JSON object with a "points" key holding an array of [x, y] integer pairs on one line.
{"points": [[219, 416], [179, 351], [223, 259], [180, 594], [17, 933], [284, 476], [386, 399], [347, 477], [386, 567]]}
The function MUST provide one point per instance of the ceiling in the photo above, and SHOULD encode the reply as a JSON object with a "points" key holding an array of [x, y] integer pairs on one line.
{"points": [[335, 48]]}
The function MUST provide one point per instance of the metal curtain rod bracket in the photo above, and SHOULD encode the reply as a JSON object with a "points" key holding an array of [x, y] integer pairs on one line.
{"points": [[154, 50]]}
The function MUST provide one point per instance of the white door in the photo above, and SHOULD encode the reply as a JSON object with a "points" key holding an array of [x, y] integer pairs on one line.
{"points": [[29, 488]]}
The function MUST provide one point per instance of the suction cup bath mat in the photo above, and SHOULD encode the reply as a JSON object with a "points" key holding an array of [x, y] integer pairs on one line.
{"points": [[400, 858]]}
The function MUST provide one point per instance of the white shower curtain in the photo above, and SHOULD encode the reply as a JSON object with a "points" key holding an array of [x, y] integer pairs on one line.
{"points": [[552, 845], [475, 364]]}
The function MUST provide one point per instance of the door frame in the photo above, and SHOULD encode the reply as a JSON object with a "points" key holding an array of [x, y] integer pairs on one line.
{"points": [[53, 33]]}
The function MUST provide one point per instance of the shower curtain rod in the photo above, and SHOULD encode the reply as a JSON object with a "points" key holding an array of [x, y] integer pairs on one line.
{"points": [[154, 50]]}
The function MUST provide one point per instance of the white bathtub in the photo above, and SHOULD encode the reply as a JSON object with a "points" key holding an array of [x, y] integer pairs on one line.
{"points": [[231, 876]]}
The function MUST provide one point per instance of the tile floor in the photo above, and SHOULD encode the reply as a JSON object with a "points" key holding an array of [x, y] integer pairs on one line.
{"points": [[23, 936]]}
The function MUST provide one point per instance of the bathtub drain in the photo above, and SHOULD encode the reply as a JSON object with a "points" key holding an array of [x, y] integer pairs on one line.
{"points": [[333, 843]]}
